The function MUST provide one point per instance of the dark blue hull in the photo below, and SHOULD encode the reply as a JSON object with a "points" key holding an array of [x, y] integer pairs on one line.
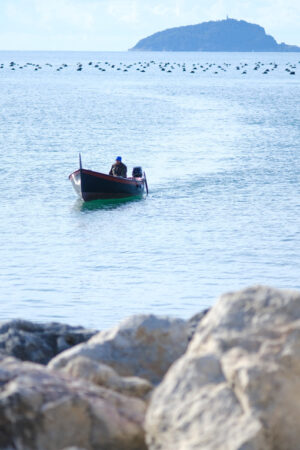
{"points": [[91, 185]]}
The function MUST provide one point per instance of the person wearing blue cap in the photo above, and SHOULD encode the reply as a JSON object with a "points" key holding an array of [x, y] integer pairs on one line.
{"points": [[118, 169]]}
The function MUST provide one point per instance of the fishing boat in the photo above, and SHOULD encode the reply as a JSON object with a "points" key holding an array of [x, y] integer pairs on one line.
{"points": [[90, 185]]}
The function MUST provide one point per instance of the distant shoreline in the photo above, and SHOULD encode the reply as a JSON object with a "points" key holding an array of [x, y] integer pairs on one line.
{"points": [[228, 35]]}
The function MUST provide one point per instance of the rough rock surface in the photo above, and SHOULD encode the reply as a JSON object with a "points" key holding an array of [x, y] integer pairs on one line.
{"points": [[43, 410], [193, 323], [238, 385], [103, 375], [143, 346], [38, 342]]}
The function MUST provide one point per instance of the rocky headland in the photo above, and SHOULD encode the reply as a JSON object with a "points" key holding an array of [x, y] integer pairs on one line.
{"points": [[228, 378], [228, 35]]}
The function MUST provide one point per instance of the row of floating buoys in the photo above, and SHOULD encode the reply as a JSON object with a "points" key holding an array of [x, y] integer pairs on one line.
{"points": [[167, 67]]}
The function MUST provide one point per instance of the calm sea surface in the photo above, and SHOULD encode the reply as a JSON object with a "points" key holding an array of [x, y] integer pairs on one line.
{"points": [[222, 155]]}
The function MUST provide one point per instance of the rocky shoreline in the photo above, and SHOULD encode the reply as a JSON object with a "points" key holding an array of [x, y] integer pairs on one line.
{"points": [[228, 378]]}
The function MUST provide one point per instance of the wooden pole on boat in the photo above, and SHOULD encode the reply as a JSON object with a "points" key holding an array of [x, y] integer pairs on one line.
{"points": [[80, 164], [146, 184]]}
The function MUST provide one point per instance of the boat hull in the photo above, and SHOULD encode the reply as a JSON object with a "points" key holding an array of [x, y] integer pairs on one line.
{"points": [[90, 185]]}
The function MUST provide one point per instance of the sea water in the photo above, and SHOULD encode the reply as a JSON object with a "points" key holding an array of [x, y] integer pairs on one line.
{"points": [[220, 148]]}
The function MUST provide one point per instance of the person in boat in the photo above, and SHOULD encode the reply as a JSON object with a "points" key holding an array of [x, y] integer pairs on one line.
{"points": [[118, 169]]}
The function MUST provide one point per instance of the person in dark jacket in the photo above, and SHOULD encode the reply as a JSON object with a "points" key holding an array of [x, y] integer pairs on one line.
{"points": [[118, 169]]}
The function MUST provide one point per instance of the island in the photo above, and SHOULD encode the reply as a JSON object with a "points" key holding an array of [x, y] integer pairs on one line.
{"points": [[228, 35]]}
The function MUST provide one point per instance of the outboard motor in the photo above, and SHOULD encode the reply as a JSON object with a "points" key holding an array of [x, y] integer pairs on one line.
{"points": [[137, 172]]}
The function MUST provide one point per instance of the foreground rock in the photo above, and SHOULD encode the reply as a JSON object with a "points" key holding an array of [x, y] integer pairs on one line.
{"points": [[238, 385], [102, 375], [38, 342], [143, 346], [40, 410]]}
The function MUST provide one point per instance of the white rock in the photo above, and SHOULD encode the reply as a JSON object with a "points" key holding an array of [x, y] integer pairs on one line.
{"points": [[143, 346], [42, 410], [238, 385], [103, 375]]}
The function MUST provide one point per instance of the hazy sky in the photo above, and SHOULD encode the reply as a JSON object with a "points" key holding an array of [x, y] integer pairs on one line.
{"points": [[119, 24]]}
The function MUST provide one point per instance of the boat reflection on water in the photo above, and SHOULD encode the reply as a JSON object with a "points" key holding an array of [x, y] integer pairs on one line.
{"points": [[106, 204]]}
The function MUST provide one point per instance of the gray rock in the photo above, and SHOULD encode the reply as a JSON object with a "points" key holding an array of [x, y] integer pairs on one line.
{"points": [[42, 410], [38, 342], [143, 346], [237, 386], [193, 323]]}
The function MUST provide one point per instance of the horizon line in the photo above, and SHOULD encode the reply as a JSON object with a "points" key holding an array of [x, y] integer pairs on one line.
{"points": [[150, 51]]}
